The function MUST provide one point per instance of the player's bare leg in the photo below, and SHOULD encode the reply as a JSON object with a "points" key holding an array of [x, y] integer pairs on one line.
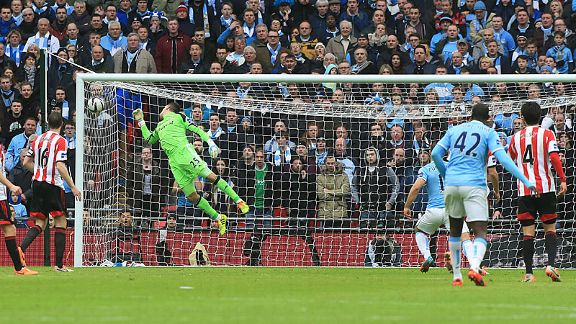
{"points": [[203, 204], [60, 224], [223, 185], [9, 231]]}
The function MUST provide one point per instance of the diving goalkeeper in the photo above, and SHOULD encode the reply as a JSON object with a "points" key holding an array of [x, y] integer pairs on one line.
{"points": [[184, 162]]}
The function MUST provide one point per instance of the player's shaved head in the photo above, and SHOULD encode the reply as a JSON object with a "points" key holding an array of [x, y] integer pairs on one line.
{"points": [[480, 112], [55, 120], [531, 113]]}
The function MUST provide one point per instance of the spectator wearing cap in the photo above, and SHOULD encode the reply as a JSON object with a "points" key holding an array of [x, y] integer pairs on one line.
{"points": [[358, 17], [503, 37], [134, 24], [171, 48], [521, 48], [445, 22], [184, 23], [340, 44], [482, 20]]}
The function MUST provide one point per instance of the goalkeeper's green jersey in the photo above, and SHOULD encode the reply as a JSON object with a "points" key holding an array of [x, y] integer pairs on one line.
{"points": [[171, 132]]}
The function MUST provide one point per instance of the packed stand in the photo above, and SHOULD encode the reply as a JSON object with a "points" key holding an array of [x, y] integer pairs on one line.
{"points": [[332, 172]]}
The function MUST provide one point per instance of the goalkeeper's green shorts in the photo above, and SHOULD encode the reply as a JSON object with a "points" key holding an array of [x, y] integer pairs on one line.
{"points": [[186, 167]]}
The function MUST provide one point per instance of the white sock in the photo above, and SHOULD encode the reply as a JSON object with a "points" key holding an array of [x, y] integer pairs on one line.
{"points": [[468, 249], [423, 244], [454, 245], [479, 251]]}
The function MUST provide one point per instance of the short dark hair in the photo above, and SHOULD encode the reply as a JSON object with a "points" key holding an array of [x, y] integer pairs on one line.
{"points": [[282, 134], [55, 120], [480, 112], [174, 107], [531, 112]]}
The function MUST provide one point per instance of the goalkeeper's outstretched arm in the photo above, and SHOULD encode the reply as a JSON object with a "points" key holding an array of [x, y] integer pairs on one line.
{"points": [[212, 148], [150, 137]]}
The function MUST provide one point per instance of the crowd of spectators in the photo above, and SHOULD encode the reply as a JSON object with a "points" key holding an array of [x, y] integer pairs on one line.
{"points": [[298, 167]]}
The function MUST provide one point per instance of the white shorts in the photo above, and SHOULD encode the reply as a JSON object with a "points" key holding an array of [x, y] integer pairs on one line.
{"points": [[433, 218], [466, 201]]}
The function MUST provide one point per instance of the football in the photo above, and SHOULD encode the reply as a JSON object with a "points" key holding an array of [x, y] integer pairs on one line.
{"points": [[95, 105]]}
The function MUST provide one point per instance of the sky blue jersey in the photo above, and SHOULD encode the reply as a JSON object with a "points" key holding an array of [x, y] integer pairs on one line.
{"points": [[434, 185], [469, 144]]}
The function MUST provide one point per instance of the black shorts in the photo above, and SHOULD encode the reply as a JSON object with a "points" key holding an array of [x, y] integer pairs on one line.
{"points": [[530, 207], [6, 217], [48, 200]]}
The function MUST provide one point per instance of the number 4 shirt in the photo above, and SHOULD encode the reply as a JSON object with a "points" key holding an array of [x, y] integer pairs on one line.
{"points": [[530, 149]]}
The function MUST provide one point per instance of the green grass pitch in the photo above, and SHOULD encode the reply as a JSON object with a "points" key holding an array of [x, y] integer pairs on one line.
{"points": [[280, 295]]}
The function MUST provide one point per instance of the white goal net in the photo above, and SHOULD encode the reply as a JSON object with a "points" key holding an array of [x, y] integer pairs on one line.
{"points": [[325, 163]]}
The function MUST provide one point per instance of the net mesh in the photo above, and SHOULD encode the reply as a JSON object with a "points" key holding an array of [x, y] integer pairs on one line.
{"points": [[308, 214]]}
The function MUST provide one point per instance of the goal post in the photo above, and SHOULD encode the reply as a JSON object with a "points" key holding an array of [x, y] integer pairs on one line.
{"points": [[113, 144]]}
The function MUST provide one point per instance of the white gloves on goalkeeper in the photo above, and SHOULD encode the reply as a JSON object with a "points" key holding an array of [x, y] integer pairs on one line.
{"points": [[213, 150], [138, 115]]}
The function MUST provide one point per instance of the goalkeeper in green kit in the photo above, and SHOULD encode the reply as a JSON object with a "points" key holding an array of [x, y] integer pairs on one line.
{"points": [[184, 162]]}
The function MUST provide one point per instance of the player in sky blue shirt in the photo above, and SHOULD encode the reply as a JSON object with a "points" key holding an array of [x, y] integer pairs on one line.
{"points": [[434, 185], [465, 180]]}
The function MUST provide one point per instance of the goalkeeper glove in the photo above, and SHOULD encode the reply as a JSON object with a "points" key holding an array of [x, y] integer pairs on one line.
{"points": [[213, 150], [138, 116]]}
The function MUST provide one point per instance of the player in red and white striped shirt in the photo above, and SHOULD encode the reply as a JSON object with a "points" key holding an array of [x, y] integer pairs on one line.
{"points": [[7, 221], [46, 158], [535, 150]]}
